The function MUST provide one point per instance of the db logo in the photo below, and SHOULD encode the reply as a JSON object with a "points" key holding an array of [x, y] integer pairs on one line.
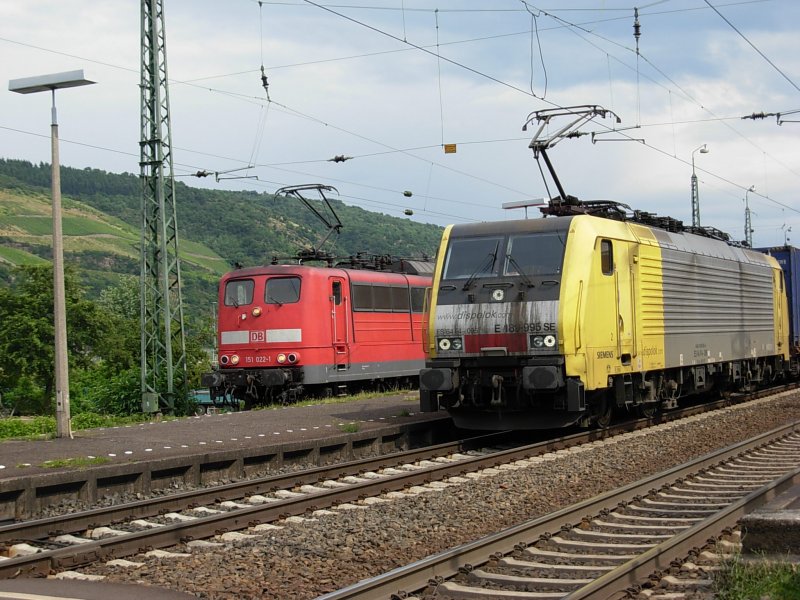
{"points": [[257, 336]]}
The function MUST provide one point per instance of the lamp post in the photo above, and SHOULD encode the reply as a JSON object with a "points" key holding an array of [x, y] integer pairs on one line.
{"points": [[30, 85], [748, 228], [695, 191]]}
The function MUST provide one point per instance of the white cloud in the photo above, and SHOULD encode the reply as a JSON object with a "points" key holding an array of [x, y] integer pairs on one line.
{"points": [[394, 99]]}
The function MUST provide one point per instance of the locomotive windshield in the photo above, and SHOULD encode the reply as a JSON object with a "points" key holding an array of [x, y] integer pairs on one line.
{"points": [[282, 290], [470, 257], [239, 292], [534, 254], [526, 255]]}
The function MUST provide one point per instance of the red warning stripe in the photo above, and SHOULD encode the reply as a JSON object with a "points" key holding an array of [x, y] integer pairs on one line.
{"points": [[512, 342]]}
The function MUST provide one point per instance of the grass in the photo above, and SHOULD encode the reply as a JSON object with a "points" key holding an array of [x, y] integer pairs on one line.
{"points": [[74, 462], [345, 399], [16, 256], [27, 217], [762, 580], [341, 399], [37, 428]]}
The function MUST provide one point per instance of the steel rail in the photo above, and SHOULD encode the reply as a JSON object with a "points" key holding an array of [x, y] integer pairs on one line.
{"points": [[38, 528], [443, 565], [629, 575], [169, 535]]}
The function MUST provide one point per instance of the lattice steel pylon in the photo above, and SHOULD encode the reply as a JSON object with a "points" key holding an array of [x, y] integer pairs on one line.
{"points": [[163, 345]]}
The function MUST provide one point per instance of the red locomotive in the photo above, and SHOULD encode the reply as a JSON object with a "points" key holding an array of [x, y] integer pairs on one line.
{"points": [[285, 330]]}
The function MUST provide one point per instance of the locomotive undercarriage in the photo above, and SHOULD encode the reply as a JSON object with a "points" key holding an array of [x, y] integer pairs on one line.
{"points": [[255, 386], [661, 390], [503, 392], [536, 394]]}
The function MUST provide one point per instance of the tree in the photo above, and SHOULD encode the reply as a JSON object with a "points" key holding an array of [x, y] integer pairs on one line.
{"points": [[27, 338]]}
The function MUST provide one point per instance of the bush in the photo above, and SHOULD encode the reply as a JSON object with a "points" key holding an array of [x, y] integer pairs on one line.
{"points": [[28, 398], [15, 427], [106, 393]]}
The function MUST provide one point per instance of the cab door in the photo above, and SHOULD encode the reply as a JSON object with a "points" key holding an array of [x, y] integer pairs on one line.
{"points": [[340, 322], [626, 261]]}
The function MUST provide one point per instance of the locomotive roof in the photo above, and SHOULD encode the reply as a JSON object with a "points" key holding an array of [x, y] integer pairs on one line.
{"points": [[517, 226], [696, 242], [416, 267], [420, 268]]}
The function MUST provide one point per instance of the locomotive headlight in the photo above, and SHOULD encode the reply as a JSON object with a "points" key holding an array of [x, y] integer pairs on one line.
{"points": [[281, 358], [257, 311], [537, 341], [235, 359], [292, 357], [456, 344], [549, 341], [444, 344]]}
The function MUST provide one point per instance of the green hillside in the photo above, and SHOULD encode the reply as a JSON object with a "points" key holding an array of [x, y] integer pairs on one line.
{"points": [[102, 220]]}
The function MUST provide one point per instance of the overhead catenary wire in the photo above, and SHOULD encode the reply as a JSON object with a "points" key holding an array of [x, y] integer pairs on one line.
{"points": [[535, 28], [399, 150], [571, 27], [439, 75], [753, 46], [637, 33]]}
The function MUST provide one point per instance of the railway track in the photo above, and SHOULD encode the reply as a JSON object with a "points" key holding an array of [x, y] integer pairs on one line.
{"points": [[609, 545], [69, 541], [40, 546]]}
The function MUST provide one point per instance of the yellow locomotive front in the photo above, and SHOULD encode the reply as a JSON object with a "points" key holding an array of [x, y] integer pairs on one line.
{"points": [[549, 322], [495, 347]]}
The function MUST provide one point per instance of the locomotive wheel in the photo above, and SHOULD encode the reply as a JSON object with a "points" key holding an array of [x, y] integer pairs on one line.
{"points": [[603, 412], [647, 411]]}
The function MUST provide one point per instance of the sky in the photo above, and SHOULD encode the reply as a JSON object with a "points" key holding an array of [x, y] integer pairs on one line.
{"points": [[388, 83]]}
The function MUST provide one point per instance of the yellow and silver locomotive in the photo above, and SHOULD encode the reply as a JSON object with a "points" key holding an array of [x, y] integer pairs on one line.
{"points": [[549, 322]]}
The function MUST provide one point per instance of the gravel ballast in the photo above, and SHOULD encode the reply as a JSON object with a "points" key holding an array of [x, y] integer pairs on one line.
{"points": [[309, 558]]}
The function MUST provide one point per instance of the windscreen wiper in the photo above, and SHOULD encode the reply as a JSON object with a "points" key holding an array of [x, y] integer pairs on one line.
{"points": [[522, 274], [485, 266]]}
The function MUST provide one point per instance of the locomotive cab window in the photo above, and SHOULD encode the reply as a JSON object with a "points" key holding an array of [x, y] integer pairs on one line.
{"points": [[399, 298], [471, 257], [534, 254], [282, 290], [239, 292], [418, 299], [380, 298], [606, 257], [336, 292]]}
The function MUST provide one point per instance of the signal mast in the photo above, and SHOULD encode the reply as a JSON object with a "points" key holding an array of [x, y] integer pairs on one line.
{"points": [[163, 346]]}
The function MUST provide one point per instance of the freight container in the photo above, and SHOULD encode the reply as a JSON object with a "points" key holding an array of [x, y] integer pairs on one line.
{"points": [[789, 259]]}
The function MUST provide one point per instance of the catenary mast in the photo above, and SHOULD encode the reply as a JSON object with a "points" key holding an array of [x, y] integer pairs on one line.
{"points": [[163, 347]]}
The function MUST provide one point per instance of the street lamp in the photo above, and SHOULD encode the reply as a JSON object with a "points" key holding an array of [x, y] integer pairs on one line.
{"points": [[748, 229], [695, 191], [30, 85]]}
